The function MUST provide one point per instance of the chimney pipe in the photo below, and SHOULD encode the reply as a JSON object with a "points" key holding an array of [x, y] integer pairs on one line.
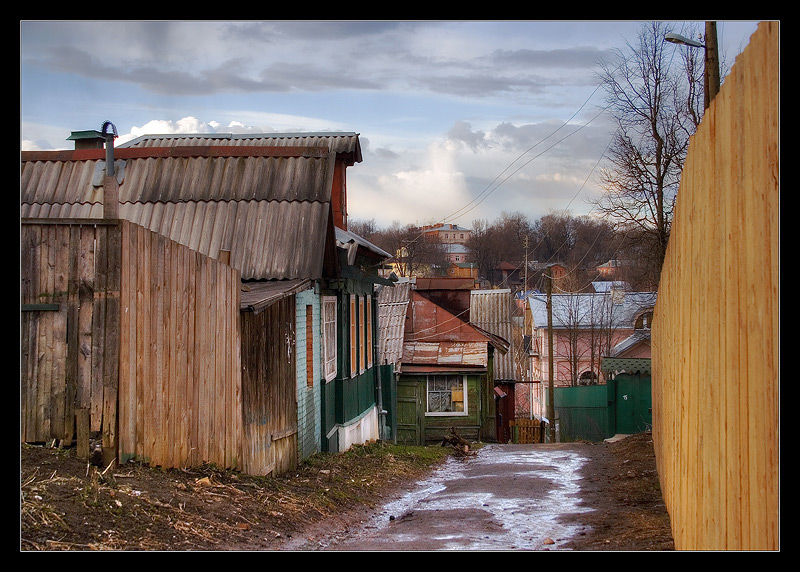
{"points": [[109, 147]]}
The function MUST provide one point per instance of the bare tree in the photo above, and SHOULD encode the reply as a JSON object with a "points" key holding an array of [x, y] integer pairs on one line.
{"points": [[655, 101]]}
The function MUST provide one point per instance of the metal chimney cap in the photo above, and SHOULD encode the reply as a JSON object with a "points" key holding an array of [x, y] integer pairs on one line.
{"points": [[88, 134]]}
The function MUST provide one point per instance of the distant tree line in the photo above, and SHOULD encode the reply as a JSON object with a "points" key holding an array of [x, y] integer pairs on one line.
{"points": [[579, 243]]}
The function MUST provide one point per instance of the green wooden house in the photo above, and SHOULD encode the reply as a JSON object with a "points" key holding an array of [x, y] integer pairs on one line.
{"points": [[444, 376]]}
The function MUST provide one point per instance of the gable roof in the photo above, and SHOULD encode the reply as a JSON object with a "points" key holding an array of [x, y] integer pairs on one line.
{"points": [[266, 199], [586, 310], [436, 340]]}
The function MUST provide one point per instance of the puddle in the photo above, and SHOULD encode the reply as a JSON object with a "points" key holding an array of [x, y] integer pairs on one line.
{"points": [[504, 498]]}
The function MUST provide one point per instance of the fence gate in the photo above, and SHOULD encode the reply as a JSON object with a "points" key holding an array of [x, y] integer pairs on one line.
{"points": [[525, 431]]}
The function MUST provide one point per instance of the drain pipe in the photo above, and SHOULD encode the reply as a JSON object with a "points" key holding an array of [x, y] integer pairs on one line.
{"points": [[110, 184]]}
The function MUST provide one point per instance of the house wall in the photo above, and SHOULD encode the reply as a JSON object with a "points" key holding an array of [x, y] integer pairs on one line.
{"points": [[716, 328], [562, 353], [269, 389], [431, 429], [309, 393], [349, 404]]}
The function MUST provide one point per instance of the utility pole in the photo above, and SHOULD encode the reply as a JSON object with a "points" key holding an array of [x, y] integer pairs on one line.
{"points": [[712, 63], [551, 408]]}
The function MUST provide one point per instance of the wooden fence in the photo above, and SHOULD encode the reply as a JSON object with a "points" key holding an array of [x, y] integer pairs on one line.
{"points": [[715, 338], [69, 293], [129, 334], [526, 431]]}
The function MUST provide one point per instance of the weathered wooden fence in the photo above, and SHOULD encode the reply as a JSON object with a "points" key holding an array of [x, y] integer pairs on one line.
{"points": [[69, 293], [129, 334], [526, 431], [715, 339]]}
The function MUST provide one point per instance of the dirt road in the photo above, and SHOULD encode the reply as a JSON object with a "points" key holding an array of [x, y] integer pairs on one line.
{"points": [[506, 497], [576, 496]]}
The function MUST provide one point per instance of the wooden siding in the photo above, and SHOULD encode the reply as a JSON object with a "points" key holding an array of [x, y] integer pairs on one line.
{"points": [[180, 402], [715, 346], [143, 347], [69, 354], [269, 388]]}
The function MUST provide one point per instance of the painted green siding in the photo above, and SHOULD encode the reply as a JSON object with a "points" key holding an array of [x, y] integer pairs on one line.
{"points": [[422, 428]]}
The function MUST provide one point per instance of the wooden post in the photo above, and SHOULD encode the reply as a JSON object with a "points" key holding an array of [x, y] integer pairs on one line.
{"points": [[551, 408]]}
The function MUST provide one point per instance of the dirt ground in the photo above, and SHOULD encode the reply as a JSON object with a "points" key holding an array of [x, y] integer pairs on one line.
{"points": [[68, 505]]}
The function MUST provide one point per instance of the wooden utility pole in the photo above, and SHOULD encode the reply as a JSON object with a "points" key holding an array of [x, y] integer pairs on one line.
{"points": [[551, 407], [712, 63]]}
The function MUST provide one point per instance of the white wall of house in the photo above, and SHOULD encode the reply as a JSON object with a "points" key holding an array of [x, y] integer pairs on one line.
{"points": [[362, 430]]}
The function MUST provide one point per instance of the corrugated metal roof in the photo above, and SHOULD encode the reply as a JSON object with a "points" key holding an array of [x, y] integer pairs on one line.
{"points": [[271, 212], [256, 296], [434, 336], [492, 311], [341, 143], [392, 309], [585, 310]]}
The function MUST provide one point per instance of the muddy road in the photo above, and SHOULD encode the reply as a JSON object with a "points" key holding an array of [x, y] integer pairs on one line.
{"points": [[505, 497]]}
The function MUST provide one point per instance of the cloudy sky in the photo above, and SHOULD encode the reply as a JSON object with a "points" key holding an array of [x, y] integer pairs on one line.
{"points": [[459, 120]]}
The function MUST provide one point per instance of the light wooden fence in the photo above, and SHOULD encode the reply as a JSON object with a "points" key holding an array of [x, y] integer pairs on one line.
{"points": [[715, 338], [129, 334], [180, 368]]}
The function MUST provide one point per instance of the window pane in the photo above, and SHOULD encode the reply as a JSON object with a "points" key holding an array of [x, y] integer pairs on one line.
{"points": [[446, 394]]}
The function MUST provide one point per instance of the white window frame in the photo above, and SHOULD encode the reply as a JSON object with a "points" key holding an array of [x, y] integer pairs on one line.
{"points": [[452, 377], [329, 334]]}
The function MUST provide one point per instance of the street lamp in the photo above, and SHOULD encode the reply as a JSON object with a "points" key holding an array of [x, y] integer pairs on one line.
{"points": [[711, 75]]}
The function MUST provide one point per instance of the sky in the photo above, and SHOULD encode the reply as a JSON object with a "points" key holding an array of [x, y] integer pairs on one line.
{"points": [[458, 120]]}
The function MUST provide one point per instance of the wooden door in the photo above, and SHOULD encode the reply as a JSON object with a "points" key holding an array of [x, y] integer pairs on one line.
{"points": [[409, 413]]}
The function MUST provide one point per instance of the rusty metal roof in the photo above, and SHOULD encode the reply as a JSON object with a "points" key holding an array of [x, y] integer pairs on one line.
{"points": [[269, 207], [435, 337]]}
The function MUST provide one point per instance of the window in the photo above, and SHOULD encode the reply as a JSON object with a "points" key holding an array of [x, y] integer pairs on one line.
{"points": [[643, 322], [370, 341], [329, 335], [447, 395], [353, 335], [309, 346], [362, 338]]}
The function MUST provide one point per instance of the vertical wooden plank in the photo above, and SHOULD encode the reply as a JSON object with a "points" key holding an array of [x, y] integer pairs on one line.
{"points": [[86, 290], [46, 326], [111, 356], [59, 408], [98, 328], [30, 243], [126, 416], [73, 327], [160, 398], [192, 390], [142, 341]]}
